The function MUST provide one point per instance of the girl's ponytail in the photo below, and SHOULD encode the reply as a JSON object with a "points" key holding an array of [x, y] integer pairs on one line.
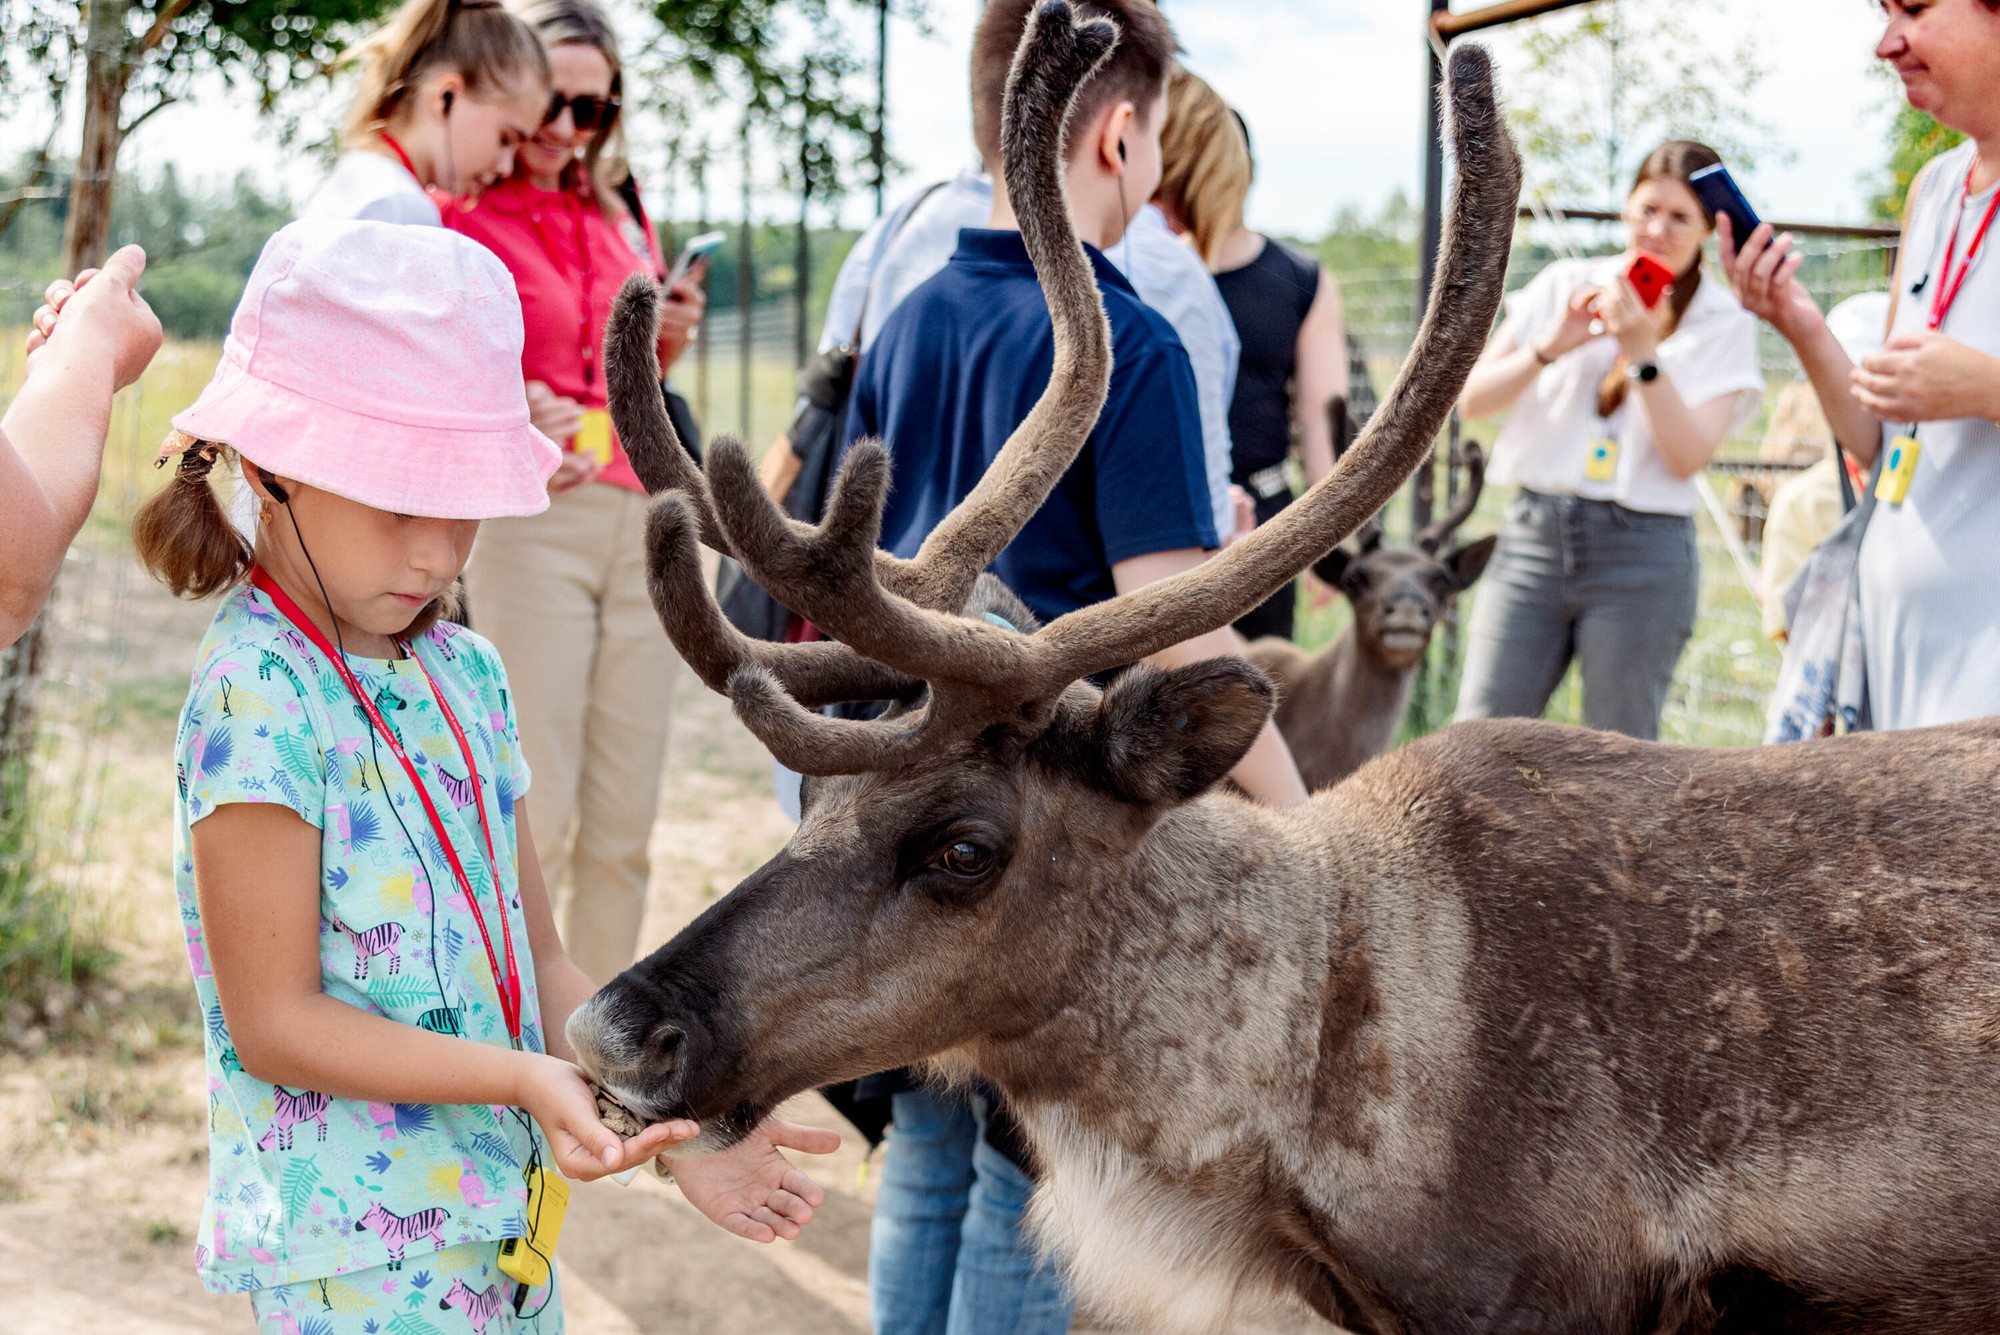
{"points": [[182, 536], [478, 40]]}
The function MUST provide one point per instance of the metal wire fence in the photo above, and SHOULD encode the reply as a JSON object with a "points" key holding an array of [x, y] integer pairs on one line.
{"points": [[1729, 668], [64, 712]]}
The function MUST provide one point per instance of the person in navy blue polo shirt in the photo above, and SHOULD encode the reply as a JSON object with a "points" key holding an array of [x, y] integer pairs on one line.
{"points": [[960, 365], [955, 369]]}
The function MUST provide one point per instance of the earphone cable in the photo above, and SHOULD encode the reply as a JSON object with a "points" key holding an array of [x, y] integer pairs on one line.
{"points": [[535, 1161]]}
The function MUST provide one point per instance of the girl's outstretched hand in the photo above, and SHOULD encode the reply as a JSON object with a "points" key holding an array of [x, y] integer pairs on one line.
{"points": [[560, 1100], [751, 1189]]}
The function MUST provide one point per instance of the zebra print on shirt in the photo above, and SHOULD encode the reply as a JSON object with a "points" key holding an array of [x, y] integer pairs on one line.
{"points": [[399, 1231]]}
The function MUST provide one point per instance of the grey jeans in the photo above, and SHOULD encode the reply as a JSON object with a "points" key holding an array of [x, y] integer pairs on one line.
{"points": [[1591, 580]]}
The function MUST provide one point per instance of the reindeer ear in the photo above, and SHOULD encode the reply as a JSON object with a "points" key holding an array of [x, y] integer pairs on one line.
{"points": [[1468, 563], [1168, 736], [1332, 568]]}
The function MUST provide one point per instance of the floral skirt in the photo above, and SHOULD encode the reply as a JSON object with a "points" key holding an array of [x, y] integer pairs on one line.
{"points": [[456, 1291]]}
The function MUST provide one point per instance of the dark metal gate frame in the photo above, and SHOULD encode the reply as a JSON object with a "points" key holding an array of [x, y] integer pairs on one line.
{"points": [[1441, 27]]}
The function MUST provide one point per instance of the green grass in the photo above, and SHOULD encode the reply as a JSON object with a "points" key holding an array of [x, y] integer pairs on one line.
{"points": [[1721, 684], [48, 935]]}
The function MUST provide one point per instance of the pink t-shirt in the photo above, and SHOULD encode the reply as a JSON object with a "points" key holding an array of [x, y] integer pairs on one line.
{"points": [[568, 262]]}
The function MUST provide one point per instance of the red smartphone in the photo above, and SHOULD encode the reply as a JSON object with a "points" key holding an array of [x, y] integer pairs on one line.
{"points": [[1650, 279]]}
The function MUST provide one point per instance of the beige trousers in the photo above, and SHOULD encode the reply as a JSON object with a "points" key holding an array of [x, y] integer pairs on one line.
{"points": [[562, 595]]}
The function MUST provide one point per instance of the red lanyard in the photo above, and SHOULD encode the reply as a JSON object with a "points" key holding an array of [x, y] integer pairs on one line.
{"points": [[402, 157], [586, 279], [507, 984], [1947, 292]]}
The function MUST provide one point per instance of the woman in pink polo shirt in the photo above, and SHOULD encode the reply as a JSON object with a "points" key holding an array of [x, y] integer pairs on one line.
{"points": [[563, 593]]}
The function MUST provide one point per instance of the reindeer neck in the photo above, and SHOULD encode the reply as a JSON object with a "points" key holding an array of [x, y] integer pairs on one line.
{"points": [[1208, 948], [1343, 710], [1376, 692]]}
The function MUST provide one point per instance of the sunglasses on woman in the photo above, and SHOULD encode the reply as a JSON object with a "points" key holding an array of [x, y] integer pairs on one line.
{"points": [[587, 111]]}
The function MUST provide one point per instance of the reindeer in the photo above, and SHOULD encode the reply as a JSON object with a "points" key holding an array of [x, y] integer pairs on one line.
{"points": [[1520, 1028], [1341, 707]]}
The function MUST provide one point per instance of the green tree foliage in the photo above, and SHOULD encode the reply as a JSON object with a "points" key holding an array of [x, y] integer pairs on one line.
{"points": [[200, 244], [791, 66], [1603, 85], [1914, 139], [272, 46]]}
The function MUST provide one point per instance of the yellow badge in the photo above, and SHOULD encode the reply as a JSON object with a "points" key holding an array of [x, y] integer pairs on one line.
{"points": [[1898, 469], [593, 437], [1601, 463], [527, 1259]]}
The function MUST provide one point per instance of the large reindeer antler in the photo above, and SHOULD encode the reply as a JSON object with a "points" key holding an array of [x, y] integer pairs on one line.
{"points": [[1055, 58], [898, 622]]}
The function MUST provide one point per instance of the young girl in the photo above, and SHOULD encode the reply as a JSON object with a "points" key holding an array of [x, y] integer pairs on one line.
{"points": [[449, 89], [372, 945]]}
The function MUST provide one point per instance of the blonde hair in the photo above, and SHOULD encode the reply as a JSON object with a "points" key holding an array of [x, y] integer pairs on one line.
{"points": [[579, 22], [478, 40], [1206, 161]]}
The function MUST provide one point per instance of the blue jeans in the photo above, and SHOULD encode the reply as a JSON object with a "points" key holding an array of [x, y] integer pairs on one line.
{"points": [[1572, 578], [947, 1255]]}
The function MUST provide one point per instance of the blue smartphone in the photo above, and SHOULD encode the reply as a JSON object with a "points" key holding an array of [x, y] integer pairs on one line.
{"points": [[1717, 191]]}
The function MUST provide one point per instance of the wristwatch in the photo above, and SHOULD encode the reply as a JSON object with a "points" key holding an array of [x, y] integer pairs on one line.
{"points": [[1643, 372]]}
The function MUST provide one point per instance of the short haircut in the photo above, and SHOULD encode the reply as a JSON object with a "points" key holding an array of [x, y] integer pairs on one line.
{"points": [[1205, 156], [1136, 71]]}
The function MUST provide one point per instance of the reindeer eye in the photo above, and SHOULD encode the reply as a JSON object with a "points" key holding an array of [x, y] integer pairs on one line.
{"points": [[966, 859]]}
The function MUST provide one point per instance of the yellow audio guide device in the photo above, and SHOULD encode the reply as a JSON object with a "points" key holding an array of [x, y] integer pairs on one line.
{"points": [[1900, 467], [593, 436], [1601, 464], [526, 1260]]}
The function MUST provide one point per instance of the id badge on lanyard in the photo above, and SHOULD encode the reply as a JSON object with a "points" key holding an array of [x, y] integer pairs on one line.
{"points": [[1899, 470]]}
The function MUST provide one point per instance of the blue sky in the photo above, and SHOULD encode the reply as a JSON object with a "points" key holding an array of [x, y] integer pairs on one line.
{"points": [[1332, 90]]}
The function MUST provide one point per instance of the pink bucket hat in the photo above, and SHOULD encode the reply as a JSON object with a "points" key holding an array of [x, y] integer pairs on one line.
{"points": [[382, 363]]}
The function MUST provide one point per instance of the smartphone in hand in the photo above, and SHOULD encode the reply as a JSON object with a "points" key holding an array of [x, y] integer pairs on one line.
{"points": [[695, 251], [1650, 279], [1717, 191]]}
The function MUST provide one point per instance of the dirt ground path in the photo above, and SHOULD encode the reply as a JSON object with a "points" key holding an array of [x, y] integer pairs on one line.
{"points": [[102, 1145]]}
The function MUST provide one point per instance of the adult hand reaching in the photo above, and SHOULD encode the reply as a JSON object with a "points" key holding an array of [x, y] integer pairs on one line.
{"points": [[1764, 274], [1923, 376], [92, 338], [99, 313], [750, 1188]]}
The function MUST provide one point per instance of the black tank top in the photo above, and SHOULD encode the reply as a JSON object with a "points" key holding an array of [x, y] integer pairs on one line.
{"points": [[1268, 298]]}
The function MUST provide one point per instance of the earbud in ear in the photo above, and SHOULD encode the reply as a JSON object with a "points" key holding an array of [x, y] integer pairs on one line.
{"points": [[1121, 150], [447, 101], [270, 481]]}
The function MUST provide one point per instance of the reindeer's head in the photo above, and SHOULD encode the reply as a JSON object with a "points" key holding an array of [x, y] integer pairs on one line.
{"points": [[941, 889], [1399, 594]]}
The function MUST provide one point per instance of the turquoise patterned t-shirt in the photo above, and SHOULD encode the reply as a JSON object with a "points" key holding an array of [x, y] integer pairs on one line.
{"points": [[302, 1186]]}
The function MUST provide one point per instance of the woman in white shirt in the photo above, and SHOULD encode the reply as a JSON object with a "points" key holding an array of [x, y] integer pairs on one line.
{"points": [[449, 89], [1612, 408], [1930, 605]]}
